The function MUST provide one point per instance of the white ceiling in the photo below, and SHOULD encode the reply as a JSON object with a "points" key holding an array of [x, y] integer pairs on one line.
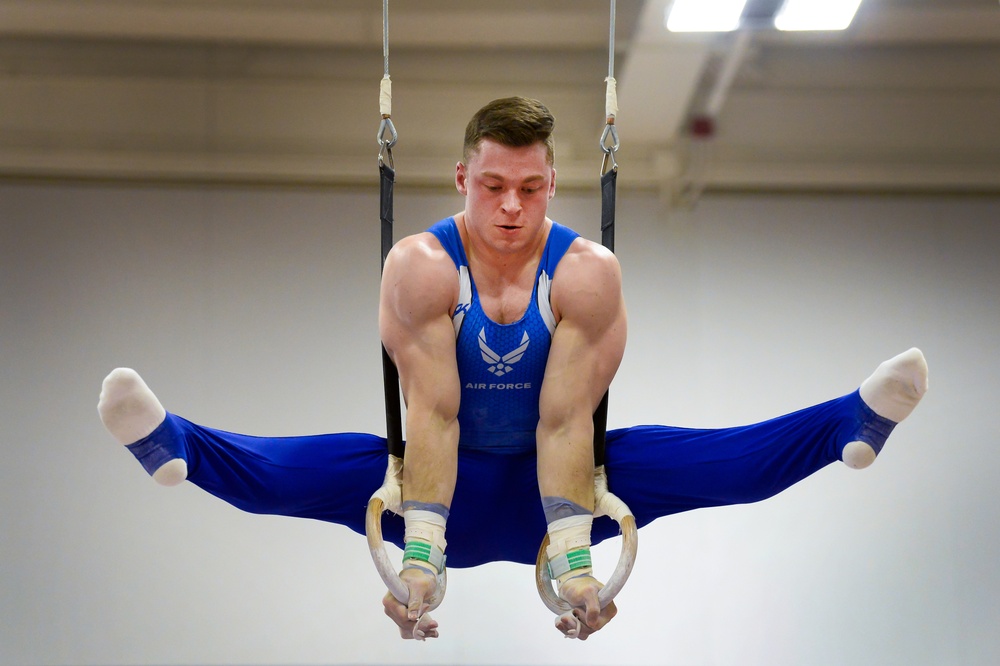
{"points": [[286, 91]]}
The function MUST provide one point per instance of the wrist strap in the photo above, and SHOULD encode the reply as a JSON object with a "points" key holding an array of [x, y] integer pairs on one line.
{"points": [[417, 552], [569, 547], [425, 542], [560, 565]]}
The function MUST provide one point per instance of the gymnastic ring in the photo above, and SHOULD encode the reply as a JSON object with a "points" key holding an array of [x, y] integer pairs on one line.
{"points": [[607, 593], [606, 504], [390, 496]]}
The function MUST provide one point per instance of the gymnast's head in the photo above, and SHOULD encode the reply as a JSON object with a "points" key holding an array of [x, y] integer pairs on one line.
{"points": [[511, 121]]}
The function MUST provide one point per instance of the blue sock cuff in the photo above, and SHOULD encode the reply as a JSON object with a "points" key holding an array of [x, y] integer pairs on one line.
{"points": [[874, 429], [158, 447]]}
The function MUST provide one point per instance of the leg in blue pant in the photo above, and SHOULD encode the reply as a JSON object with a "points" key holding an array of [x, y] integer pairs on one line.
{"points": [[656, 470], [325, 477], [661, 470]]}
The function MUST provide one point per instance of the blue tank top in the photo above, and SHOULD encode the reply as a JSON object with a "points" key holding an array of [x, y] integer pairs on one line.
{"points": [[501, 366]]}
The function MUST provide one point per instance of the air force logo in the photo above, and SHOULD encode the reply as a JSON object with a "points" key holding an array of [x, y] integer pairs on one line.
{"points": [[501, 365]]}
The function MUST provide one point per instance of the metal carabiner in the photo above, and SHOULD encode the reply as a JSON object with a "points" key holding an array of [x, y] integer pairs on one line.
{"points": [[386, 144], [610, 132]]}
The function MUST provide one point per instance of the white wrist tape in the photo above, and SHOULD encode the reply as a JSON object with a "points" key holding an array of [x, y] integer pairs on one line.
{"points": [[425, 542], [569, 547]]}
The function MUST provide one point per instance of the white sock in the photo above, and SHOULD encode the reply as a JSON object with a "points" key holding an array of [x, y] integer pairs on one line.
{"points": [[892, 392], [130, 411], [897, 385]]}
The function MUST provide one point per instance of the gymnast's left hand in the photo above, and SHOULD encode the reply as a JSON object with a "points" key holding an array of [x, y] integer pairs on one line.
{"points": [[412, 618], [588, 616]]}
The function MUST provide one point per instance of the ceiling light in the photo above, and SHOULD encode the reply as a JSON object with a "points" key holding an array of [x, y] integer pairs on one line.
{"points": [[704, 15], [813, 15]]}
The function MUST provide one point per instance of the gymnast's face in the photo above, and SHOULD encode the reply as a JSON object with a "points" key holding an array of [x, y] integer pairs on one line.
{"points": [[507, 192]]}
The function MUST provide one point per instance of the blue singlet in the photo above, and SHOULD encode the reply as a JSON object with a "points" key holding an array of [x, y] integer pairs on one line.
{"points": [[501, 366]]}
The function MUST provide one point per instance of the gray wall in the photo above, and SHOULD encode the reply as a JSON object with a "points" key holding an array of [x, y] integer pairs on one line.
{"points": [[255, 311]]}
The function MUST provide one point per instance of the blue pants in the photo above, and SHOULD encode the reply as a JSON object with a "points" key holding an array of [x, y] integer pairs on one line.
{"points": [[656, 470]]}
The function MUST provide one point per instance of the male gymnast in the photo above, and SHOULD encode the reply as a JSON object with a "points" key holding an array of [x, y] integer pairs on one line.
{"points": [[507, 329]]}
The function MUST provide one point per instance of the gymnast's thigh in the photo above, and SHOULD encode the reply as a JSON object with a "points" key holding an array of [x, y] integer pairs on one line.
{"points": [[662, 470], [327, 477]]}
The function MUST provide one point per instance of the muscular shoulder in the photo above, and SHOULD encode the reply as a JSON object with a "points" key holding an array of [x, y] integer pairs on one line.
{"points": [[421, 253], [589, 255], [587, 282], [419, 278]]}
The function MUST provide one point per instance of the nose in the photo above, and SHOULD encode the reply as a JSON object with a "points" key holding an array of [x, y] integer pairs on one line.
{"points": [[511, 202]]}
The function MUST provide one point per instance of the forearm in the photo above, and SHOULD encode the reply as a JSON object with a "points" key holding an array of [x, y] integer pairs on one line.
{"points": [[430, 466], [566, 484], [566, 458]]}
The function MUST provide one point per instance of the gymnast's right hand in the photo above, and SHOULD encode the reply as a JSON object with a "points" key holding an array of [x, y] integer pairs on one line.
{"points": [[412, 618], [587, 615]]}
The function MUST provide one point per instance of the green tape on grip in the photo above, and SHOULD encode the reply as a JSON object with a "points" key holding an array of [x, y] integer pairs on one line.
{"points": [[424, 552], [571, 561]]}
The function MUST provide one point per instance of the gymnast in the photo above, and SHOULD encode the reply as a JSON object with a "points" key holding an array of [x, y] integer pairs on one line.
{"points": [[507, 329]]}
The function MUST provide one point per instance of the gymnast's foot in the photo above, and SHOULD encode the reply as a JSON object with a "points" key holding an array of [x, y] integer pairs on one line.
{"points": [[131, 412], [893, 390]]}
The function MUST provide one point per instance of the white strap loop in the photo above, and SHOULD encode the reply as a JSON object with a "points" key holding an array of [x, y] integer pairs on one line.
{"points": [[606, 503], [391, 491]]}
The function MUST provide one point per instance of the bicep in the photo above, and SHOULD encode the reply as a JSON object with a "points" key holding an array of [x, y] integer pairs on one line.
{"points": [[416, 328], [589, 341]]}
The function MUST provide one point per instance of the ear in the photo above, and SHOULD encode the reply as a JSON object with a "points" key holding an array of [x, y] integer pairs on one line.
{"points": [[461, 179], [552, 185]]}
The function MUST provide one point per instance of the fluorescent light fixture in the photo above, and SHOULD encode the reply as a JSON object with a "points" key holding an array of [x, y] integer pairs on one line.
{"points": [[816, 14], [704, 15]]}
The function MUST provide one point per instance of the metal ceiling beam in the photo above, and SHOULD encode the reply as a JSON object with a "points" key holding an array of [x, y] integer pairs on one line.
{"points": [[295, 24]]}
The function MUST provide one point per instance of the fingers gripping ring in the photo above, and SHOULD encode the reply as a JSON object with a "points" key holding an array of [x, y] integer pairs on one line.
{"points": [[389, 498], [605, 504]]}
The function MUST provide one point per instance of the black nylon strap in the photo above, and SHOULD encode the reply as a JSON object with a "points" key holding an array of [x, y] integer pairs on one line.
{"points": [[387, 178], [609, 182], [390, 376]]}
